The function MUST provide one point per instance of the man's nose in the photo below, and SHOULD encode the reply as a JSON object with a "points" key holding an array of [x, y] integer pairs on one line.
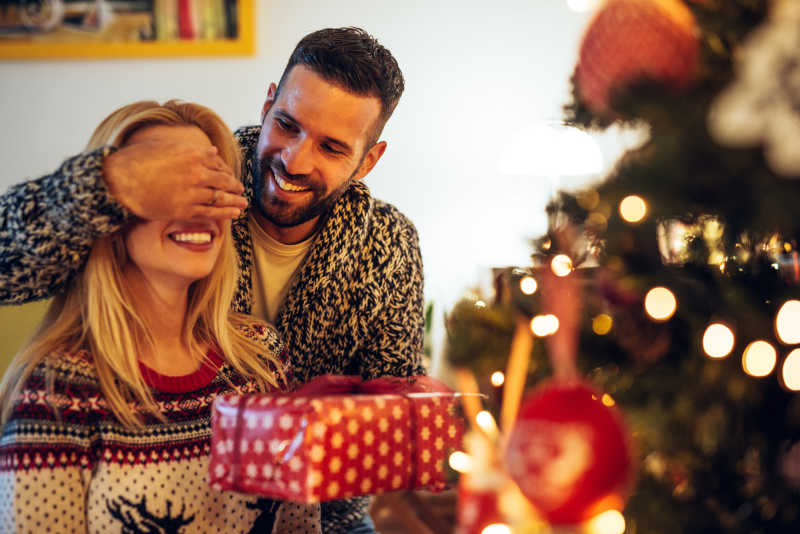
{"points": [[298, 157]]}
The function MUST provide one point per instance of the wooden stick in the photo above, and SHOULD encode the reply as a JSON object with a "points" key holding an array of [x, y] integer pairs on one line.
{"points": [[470, 395], [516, 372]]}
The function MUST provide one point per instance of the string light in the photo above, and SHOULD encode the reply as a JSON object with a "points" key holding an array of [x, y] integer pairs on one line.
{"points": [[787, 322], [544, 325], [759, 358], [461, 462], [487, 423], [633, 209], [497, 378], [718, 340], [602, 323], [608, 522], [496, 528], [607, 400], [561, 265], [528, 285], [660, 303], [480, 304], [790, 371]]}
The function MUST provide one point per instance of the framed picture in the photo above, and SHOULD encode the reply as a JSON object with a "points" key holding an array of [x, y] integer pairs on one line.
{"points": [[51, 29]]}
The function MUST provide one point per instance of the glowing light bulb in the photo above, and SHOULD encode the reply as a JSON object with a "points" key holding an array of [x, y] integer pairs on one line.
{"points": [[480, 304], [544, 325], [660, 303], [718, 340], [461, 462], [633, 209], [759, 358], [602, 323], [790, 372], [487, 423], [528, 285], [497, 378], [496, 528], [787, 322], [607, 400], [608, 522], [561, 265]]}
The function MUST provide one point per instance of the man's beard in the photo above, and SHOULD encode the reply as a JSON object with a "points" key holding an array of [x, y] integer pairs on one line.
{"points": [[283, 214]]}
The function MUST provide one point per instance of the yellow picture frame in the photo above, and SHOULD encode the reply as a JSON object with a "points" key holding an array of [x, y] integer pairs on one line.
{"points": [[73, 44]]}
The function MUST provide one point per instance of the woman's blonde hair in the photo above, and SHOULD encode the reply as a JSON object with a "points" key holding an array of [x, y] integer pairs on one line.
{"points": [[97, 312]]}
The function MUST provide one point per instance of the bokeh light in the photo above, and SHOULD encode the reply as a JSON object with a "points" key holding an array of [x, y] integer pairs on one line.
{"points": [[787, 322], [608, 522], [602, 323], [486, 422], [480, 304], [460, 461], [660, 303], [496, 528], [718, 340], [528, 285], [607, 400], [497, 378], [544, 325], [759, 358], [790, 372], [633, 209], [561, 265]]}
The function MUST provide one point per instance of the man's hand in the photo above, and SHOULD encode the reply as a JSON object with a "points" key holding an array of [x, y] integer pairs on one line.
{"points": [[177, 181]]}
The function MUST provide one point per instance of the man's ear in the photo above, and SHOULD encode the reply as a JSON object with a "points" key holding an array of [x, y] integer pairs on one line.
{"points": [[370, 159], [273, 89]]}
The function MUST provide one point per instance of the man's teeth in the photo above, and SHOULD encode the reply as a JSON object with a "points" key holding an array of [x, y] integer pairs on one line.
{"points": [[286, 186], [198, 238]]}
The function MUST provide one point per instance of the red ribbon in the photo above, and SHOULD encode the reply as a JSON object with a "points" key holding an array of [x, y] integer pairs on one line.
{"points": [[385, 385]]}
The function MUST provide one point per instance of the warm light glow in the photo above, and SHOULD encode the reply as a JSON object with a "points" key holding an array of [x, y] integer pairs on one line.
{"points": [[759, 358], [660, 303], [561, 265], [486, 423], [601, 324], [496, 528], [544, 325], [609, 522], [461, 462], [633, 208], [718, 340], [791, 370], [498, 378], [607, 400], [787, 322], [528, 285], [480, 304]]}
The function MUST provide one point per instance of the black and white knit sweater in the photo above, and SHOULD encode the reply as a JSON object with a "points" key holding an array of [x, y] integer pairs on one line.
{"points": [[68, 465], [354, 306]]}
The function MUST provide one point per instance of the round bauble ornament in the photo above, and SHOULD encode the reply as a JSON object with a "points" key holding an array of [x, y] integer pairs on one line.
{"points": [[569, 453], [629, 40]]}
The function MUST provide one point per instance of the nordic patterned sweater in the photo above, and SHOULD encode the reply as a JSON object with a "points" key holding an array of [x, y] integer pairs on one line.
{"points": [[354, 306], [68, 465]]}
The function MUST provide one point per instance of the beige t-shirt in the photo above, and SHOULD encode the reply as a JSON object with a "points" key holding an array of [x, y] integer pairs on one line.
{"points": [[274, 265]]}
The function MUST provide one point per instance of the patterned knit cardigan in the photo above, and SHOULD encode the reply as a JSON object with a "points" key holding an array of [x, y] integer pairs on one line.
{"points": [[354, 307]]}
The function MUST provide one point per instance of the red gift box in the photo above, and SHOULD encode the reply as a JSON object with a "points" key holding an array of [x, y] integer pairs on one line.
{"points": [[335, 438]]}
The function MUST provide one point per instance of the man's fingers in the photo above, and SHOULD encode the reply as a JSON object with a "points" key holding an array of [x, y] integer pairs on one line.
{"points": [[223, 199], [215, 212], [221, 179]]}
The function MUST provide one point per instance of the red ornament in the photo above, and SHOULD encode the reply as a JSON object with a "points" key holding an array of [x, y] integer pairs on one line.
{"points": [[569, 453], [631, 39]]}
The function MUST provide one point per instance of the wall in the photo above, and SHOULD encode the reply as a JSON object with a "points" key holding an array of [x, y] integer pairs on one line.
{"points": [[476, 73]]}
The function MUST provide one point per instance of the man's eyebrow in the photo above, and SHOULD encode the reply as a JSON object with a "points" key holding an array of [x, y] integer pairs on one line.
{"points": [[340, 145]]}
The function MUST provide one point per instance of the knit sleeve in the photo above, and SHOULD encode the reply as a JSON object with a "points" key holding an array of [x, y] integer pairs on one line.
{"points": [[48, 225], [46, 456]]}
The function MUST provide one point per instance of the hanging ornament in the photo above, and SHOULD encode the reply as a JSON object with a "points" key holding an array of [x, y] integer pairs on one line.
{"points": [[633, 39], [762, 106], [569, 453]]}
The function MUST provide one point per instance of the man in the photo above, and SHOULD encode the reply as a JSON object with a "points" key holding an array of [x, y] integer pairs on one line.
{"points": [[338, 272]]}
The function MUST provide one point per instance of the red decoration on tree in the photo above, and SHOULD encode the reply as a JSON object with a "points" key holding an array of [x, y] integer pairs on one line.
{"points": [[631, 39], [569, 453]]}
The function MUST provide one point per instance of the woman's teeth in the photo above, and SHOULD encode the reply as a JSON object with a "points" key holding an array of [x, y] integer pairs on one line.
{"points": [[197, 238], [286, 186]]}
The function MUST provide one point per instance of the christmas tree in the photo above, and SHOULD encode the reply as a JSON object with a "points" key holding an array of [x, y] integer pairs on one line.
{"points": [[687, 263]]}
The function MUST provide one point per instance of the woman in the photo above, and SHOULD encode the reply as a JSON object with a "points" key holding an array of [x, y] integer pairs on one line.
{"points": [[106, 412]]}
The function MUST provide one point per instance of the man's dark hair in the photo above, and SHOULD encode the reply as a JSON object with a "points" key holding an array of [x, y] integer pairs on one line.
{"points": [[354, 60]]}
